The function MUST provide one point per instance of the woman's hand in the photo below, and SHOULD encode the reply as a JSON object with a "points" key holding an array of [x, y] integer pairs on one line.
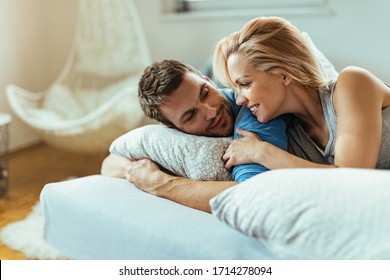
{"points": [[243, 150]]}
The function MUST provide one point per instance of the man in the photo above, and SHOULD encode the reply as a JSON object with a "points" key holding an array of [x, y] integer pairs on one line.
{"points": [[178, 96]]}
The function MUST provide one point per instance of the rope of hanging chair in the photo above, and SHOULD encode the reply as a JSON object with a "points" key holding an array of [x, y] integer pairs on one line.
{"points": [[95, 96]]}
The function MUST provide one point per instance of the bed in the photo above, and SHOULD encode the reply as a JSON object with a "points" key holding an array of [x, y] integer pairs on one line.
{"points": [[98, 217], [341, 213], [279, 214]]}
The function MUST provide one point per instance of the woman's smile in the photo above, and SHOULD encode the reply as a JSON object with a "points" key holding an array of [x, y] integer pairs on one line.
{"points": [[254, 109]]}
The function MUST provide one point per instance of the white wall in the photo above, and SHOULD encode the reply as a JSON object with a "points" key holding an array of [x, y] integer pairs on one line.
{"points": [[358, 32], [36, 35]]}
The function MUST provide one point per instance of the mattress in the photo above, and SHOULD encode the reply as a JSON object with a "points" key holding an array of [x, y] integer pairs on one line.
{"points": [[98, 217]]}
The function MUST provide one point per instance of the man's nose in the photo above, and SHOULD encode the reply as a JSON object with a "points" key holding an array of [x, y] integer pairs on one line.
{"points": [[209, 111]]}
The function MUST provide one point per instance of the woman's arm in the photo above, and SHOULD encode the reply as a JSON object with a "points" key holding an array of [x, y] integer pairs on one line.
{"points": [[252, 149], [359, 98]]}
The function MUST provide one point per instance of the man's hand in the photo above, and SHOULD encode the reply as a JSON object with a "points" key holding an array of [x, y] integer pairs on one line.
{"points": [[146, 176]]}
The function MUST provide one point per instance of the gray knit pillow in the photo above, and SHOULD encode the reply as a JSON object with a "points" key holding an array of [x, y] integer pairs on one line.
{"points": [[195, 157]]}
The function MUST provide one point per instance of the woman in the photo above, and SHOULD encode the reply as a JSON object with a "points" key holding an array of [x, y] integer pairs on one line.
{"points": [[343, 123]]}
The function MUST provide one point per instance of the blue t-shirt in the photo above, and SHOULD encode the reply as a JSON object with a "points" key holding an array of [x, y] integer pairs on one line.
{"points": [[273, 132]]}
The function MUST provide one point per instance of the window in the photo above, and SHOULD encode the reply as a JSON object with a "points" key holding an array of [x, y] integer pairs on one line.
{"points": [[245, 7]]}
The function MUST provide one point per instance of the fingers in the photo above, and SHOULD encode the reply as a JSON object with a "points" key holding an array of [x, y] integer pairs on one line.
{"points": [[246, 133], [242, 132], [227, 158], [136, 168], [229, 165], [238, 151]]}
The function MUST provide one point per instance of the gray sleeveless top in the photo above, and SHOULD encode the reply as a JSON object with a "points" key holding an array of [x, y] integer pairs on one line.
{"points": [[304, 147]]}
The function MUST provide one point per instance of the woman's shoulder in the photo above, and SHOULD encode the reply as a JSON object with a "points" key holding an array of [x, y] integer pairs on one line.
{"points": [[352, 75], [356, 85], [359, 79]]}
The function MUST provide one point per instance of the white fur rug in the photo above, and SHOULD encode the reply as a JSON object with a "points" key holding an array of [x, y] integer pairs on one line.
{"points": [[26, 236]]}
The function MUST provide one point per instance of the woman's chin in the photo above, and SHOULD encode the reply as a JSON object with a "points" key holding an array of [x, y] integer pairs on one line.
{"points": [[262, 119]]}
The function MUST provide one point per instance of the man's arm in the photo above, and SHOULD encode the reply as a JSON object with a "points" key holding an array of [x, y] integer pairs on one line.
{"points": [[147, 176]]}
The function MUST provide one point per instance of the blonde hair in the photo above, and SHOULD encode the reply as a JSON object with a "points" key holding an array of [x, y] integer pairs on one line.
{"points": [[269, 44]]}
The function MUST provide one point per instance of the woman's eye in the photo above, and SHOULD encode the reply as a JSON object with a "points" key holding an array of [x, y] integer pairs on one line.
{"points": [[242, 85]]}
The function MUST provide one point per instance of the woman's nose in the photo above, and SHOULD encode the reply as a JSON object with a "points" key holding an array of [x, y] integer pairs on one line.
{"points": [[241, 99]]}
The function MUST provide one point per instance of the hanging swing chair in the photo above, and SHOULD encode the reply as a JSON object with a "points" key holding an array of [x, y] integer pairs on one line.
{"points": [[94, 100]]}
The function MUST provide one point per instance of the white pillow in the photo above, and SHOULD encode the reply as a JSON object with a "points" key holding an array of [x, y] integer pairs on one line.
{"points": [[339, 213], [195, 157]]}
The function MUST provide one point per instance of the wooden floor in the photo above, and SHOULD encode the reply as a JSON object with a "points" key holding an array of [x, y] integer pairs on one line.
{"points": [[29, 170]]}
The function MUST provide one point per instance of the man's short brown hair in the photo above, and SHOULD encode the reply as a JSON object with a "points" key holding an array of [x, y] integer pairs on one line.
{"points": [[157, 83]]}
